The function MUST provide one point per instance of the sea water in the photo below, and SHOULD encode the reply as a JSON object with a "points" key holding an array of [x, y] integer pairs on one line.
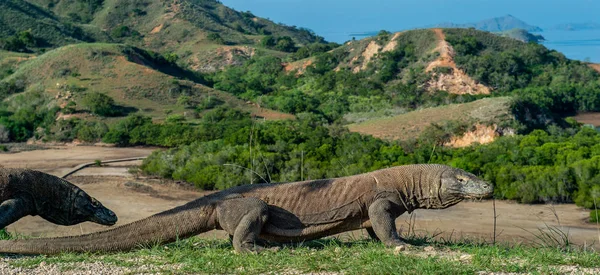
{"points": [[580, 45]]}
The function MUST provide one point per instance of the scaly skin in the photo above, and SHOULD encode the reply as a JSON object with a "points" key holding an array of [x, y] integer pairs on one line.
{"points": [[27, 192], [295, 211]]}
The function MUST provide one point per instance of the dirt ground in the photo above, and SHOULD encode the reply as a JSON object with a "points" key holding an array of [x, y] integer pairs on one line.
{"points": [[135, 198], [588, 118]]}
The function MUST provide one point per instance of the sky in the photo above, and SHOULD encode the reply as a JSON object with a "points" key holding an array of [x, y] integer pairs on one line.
{"points": [[336, 19]]}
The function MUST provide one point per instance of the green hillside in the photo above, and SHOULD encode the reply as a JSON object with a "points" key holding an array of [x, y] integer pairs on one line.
{"points": [[204, 35], [134, 77], [394, 73], [47, 30]]}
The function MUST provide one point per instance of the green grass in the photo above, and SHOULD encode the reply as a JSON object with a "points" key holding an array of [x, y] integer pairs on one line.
{"points": [[196, 255]]}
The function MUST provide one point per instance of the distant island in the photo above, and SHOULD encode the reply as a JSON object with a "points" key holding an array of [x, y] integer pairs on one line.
{"points": [[497, 24], [576, 26], [522, 35], [506, 26]]}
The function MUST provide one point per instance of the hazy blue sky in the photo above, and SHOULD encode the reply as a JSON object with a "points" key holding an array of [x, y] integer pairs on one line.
{"points": [[335, 19]]}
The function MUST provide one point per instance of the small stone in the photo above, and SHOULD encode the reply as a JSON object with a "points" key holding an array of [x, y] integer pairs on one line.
{"points": [[399, 249], [42, 264], [465, 257], [337, 250], [429, 249]]}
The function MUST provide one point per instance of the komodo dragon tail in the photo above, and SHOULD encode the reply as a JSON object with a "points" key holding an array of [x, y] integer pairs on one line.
{"points": [[187, 220]]}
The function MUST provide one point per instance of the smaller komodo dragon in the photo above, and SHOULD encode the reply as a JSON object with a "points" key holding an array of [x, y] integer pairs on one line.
{"points": [[288, 212], [28, 192]]}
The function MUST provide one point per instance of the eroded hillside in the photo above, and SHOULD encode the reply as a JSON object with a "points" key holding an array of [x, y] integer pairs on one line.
{"points": [[482, 117]]}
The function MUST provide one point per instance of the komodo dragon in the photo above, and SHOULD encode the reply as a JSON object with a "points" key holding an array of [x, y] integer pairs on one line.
{"points": [[27, 192], [296, 211]]}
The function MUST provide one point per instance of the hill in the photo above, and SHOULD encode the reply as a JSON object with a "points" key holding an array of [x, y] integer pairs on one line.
{"points": [[497, 24], [46, 29], [479, 119], [204, 34], [136, 79]]}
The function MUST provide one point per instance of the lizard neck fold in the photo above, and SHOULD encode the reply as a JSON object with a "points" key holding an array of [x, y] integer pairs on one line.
{"points": [[418, 186]]}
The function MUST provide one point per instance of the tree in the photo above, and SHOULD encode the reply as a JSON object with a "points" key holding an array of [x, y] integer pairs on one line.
{"points": [[215, 37], [99, 104], [184, 101], [4, 134], [268, 41], [285, 44]]}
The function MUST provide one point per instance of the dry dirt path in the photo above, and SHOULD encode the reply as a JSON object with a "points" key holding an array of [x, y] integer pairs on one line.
{"points": [[58, 159], [135, 198]]}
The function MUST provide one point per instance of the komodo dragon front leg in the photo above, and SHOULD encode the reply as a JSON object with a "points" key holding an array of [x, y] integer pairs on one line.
{"points": [[382, 214], [14, 209], [243, 218]]}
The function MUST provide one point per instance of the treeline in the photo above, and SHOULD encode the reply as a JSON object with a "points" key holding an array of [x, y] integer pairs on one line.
{"points": [[30, 115], [554, 166]]}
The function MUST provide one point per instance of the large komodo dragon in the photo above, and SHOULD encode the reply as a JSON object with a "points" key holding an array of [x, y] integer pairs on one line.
{"points": [[287, 212], [27, 192]]}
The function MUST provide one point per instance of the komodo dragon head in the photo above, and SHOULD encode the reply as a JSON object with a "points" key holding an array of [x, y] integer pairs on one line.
{"points": [[80, 207], [87, 208], [457, 184]]}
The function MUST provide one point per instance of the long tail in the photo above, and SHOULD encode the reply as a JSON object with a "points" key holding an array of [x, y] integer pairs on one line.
{"points": [[184, 221]]}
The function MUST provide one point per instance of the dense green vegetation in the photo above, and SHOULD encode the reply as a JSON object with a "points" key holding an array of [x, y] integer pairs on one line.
{"points": [[18, 17], [595, 216], [26, 113]]}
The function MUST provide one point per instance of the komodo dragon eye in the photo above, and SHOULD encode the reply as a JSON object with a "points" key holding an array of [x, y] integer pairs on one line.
{"points": [[461, 179]]}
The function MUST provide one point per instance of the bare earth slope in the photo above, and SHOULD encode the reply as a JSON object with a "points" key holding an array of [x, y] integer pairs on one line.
{"points": [[455, 82]]}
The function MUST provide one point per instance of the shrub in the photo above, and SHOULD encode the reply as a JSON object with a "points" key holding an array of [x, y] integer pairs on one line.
{"points": [[99, 104], [595, 216], [4, 134], [215, 37]]}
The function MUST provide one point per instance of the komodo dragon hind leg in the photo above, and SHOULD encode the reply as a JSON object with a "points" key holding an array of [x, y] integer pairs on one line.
{"points": [[243, 218], [372, 233], [12, 210], [382, 214]]}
